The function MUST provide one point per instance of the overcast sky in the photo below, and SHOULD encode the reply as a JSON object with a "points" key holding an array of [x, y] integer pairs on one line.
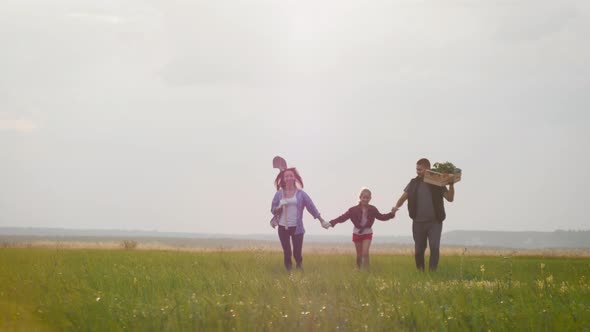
{"points": [[165, 115]]}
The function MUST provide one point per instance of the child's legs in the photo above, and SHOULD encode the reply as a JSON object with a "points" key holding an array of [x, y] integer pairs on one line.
{"points": [[366, 245], [359, 253]]}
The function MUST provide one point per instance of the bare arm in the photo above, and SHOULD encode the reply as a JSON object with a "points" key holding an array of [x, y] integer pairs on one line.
{"points": [[380, 216], [400, 202], [449, 195]]}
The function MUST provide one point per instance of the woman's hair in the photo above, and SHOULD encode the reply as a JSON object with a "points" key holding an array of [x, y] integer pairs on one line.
{"points": [[364, 190], [280, 182]]}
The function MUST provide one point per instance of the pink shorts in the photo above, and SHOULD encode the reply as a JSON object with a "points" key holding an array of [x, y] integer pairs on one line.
{"points": [[361, 237]]}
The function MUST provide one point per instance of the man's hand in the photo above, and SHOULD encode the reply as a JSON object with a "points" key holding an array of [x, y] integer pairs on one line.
{"points": [[326, 224], [449, 195]]}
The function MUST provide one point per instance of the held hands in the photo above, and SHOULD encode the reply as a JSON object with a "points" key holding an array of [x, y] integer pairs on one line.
{"points": [[325, 224]]}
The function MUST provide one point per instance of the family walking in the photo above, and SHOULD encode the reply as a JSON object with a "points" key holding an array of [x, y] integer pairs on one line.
{"points": [[425, 206]]}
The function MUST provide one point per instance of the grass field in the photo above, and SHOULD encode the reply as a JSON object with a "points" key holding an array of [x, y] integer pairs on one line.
{"points": [[114, 290]]}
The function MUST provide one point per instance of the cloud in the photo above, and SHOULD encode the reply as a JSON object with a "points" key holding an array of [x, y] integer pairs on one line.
{"points": [[111, 19], [211, 70], [19, 125], [531, 21]]}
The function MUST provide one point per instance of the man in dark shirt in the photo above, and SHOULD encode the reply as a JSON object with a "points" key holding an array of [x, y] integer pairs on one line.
{"points": [[426, 207]]}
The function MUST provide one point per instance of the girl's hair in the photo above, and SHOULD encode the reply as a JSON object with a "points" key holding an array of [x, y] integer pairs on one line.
{"points": [[364, 190], [280, 182]]}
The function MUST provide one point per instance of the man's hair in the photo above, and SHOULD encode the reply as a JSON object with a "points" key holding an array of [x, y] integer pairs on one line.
{"points": [[423, 162]]}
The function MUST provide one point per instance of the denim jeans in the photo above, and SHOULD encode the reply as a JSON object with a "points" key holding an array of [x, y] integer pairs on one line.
{"points": [[423, 231], [286, 237]]}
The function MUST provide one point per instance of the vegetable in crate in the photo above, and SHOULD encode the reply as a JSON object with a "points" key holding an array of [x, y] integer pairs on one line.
{"points": [[446, 168]]}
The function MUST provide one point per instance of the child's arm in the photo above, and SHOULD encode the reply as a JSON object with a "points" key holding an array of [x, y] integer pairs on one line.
{"points": [[383, 217], [341, 219]]}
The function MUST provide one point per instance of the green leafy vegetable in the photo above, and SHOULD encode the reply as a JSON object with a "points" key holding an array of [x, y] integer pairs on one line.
{"points": [[446, 168]]}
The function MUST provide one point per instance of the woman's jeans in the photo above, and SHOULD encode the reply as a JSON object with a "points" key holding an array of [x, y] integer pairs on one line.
{"points": [[286, 236]]}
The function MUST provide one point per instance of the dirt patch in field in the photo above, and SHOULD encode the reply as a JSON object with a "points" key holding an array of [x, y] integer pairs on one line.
{"points": [[15, 317]]}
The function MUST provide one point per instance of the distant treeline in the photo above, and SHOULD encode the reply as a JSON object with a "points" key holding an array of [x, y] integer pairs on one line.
{"points": [[527, 240], [517, 240]]}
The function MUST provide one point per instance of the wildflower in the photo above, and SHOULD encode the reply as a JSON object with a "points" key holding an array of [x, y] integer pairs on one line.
{"points": [[98, 299], [549, 279], [563, 287]]}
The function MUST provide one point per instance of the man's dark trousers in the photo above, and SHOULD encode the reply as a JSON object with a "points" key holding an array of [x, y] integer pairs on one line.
{"points": [[427, 231]]}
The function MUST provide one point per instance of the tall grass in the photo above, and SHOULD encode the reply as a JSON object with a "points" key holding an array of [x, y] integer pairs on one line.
{"points": [[102, 290]]}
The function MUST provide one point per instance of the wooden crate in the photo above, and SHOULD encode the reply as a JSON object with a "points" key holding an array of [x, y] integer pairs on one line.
{"points": [[440, 179]]}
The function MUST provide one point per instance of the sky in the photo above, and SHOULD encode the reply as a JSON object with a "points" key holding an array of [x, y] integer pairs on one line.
{"points": [[165, 115]]}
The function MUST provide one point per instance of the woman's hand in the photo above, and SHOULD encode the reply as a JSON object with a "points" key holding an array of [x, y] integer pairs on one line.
{"points": [[324, 223], [279, 207], [274, 222]]}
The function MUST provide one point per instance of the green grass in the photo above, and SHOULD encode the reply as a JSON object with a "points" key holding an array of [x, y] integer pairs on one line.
{"points": [[101, 290]]}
